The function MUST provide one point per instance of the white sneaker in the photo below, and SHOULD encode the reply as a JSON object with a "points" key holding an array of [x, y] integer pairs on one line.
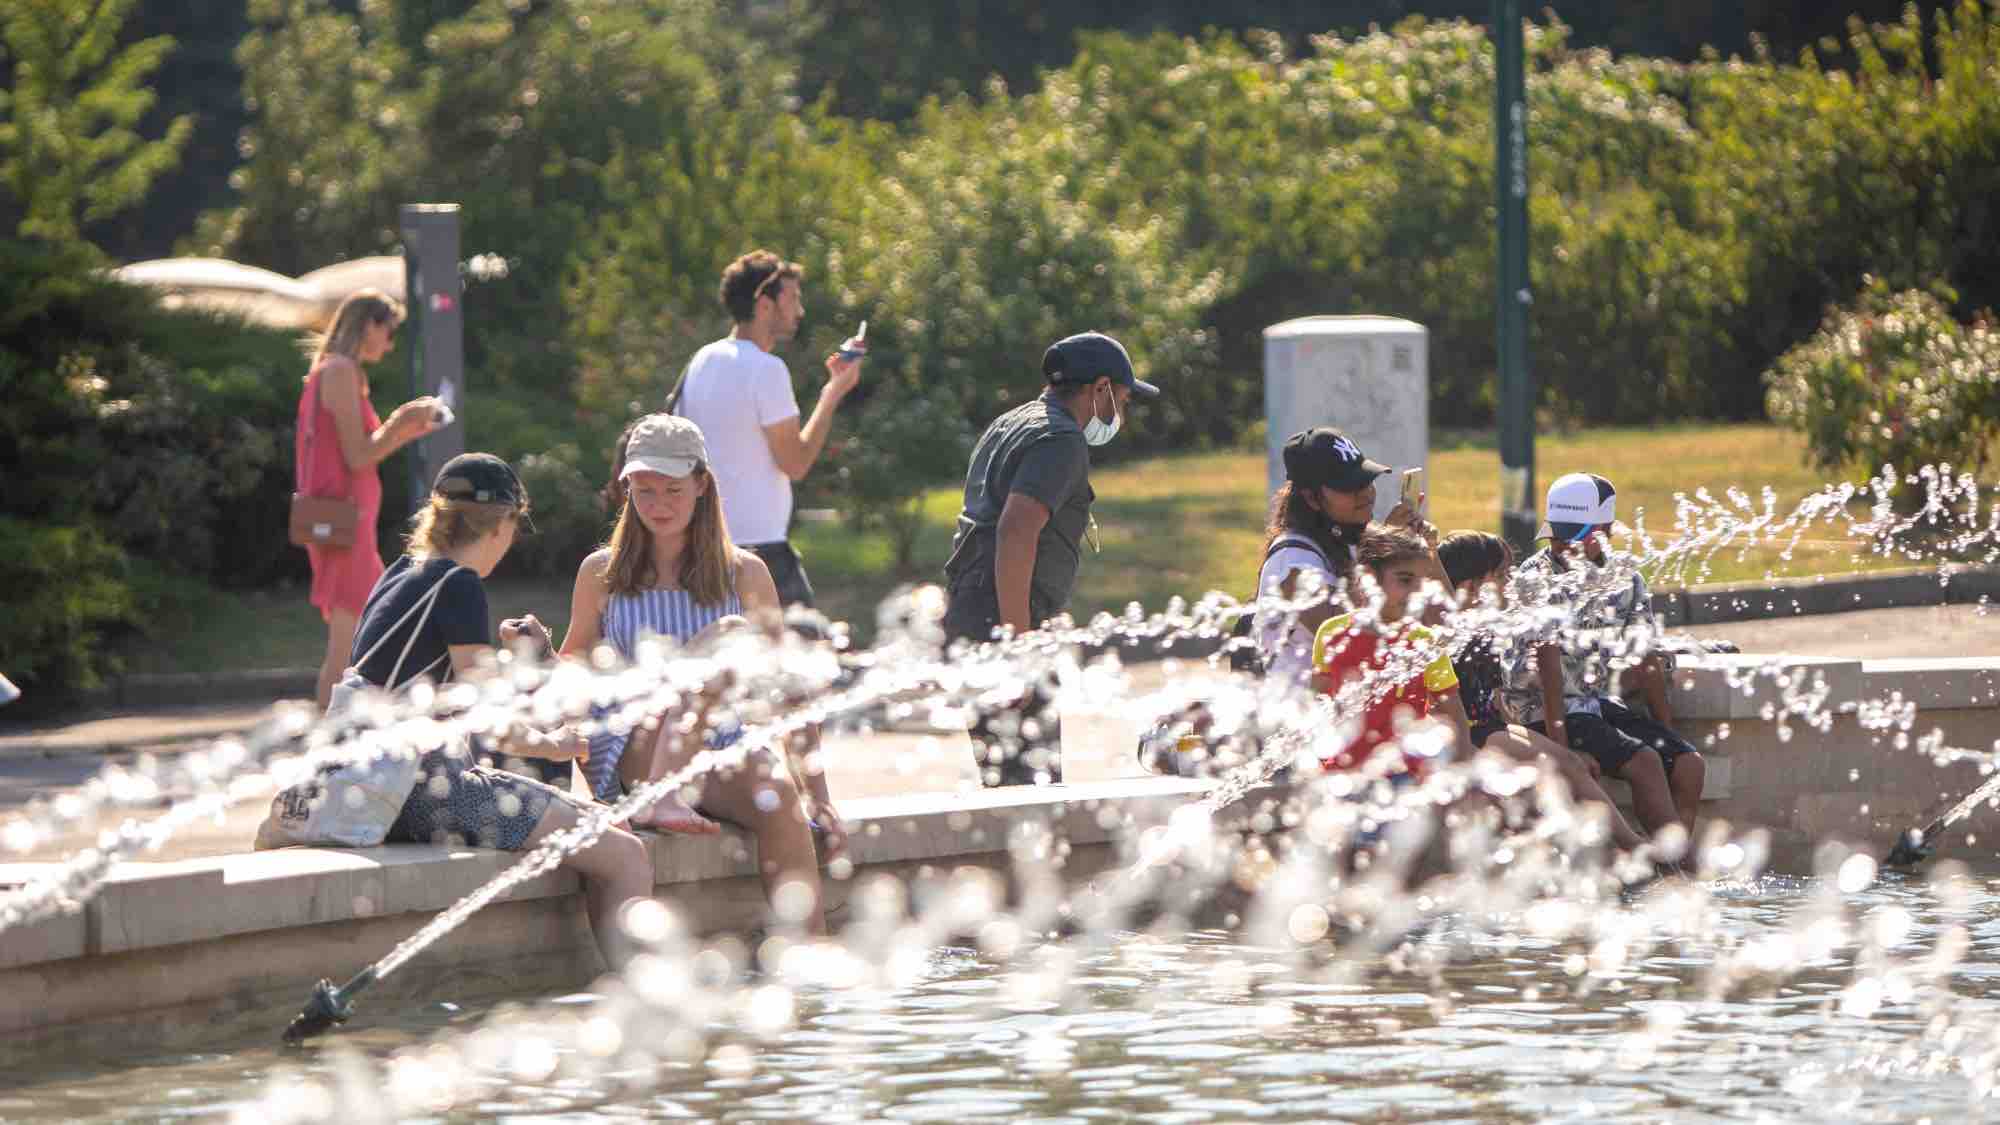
{"points": [[8, 692]]}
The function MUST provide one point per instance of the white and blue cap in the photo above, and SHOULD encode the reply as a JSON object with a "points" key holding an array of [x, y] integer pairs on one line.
{"points": [[1577, 504]]}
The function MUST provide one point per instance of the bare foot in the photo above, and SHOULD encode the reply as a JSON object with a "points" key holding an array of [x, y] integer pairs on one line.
{"points": [[671, 814]]}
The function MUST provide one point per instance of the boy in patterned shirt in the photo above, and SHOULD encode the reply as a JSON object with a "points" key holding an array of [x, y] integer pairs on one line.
{"points": [[1563, 688]]}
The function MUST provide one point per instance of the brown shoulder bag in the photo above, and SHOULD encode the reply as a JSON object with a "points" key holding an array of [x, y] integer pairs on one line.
{"points": [[321, 521]]}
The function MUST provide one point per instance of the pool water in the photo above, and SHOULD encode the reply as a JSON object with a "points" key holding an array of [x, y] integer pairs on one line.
{"points": [[1473, 1020]]}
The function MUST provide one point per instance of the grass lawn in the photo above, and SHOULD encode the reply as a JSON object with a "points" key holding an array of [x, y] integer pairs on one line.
{"points": [[1170, 525]]}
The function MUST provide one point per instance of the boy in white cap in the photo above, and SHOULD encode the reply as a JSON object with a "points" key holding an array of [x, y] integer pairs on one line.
{"points": [[1562, 688]]}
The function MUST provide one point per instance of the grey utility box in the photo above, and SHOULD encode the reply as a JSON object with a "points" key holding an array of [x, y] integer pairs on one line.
{"points": [[1368, 375]]}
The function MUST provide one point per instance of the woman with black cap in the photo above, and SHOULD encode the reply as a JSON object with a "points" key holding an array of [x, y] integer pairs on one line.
{"points": [[1317, 517], [427, 617]]}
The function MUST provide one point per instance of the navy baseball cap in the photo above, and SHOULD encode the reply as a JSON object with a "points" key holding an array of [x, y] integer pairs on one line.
{"points": [[1325, 456], [1083, 357], [481, 478]]}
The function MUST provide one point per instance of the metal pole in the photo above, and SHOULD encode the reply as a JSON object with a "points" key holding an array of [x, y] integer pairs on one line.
{"points": [[437, 355], [1511, 290]]}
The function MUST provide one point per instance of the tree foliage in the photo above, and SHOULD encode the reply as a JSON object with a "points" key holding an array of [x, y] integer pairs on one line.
{"points": [[70, 149], [136, 441], [1689, 219], [1692, 219]]}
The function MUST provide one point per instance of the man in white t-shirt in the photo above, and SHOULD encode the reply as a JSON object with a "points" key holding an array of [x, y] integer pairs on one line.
{"points": [[740, 394]]}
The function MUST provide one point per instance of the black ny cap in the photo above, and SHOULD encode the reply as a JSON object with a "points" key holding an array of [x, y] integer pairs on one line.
{"points": [[1325, 456]]}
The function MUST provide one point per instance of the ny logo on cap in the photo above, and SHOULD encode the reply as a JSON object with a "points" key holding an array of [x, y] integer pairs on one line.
{"points": [[1347, 449]]}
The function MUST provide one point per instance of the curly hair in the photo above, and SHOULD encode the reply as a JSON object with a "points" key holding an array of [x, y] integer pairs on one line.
{"points": [[754, 275]]}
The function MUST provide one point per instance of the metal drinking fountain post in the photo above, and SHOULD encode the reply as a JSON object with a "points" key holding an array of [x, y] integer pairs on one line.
{"points": [[437, 357]]}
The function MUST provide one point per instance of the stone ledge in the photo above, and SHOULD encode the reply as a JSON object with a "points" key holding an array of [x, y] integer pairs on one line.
{"points": [[1964, 682], [1701, 689], [151, 905], [1750, 601]]}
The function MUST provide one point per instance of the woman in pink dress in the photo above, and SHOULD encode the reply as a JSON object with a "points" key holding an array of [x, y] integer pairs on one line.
{"points": [[339, 444]]}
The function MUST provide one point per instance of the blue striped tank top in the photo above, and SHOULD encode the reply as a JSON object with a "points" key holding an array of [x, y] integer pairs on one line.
{"points": [[627, 618]]}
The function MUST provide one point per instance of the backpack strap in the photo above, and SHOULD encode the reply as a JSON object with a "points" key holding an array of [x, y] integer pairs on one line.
{"points": [[423, 603], [680, 386], [1294, 539]]}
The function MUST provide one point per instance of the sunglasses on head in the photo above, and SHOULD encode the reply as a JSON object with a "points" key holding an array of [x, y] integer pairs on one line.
{"points": [[775, 277]]}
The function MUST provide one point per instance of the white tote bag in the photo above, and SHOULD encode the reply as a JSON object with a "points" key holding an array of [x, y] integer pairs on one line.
{"points": [[353, 804]]}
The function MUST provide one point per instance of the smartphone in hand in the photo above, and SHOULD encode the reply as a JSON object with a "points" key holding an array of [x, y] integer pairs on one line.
{"points": [[857, 348], [1413, 489], [447, 396]]}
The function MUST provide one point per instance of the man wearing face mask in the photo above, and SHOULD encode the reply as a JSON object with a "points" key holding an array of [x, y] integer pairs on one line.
{"points": [[1027, 493], [1020, 534]]}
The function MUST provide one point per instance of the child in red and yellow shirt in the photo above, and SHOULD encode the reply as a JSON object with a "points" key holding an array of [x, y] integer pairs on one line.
{"points": [[1401, 562]]}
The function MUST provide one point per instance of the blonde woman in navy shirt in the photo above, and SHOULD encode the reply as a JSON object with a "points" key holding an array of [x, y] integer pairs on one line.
{"points": [[671, 571]]}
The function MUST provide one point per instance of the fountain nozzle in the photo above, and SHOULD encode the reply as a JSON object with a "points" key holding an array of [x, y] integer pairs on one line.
{"points": [[1912, 847], [326, 1007]]}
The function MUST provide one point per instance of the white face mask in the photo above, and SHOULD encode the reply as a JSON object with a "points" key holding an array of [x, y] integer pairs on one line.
{"points": [[1096, 431]]}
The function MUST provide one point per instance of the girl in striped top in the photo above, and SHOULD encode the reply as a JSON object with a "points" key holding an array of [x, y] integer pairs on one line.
{"points": [[670, 570]]}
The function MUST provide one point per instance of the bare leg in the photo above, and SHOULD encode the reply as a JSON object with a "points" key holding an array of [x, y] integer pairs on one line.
{"points": [[1690, 773], [615, 870], [1524, 745], [760, 796], [340, 626], [809, 773], [1651, 799], [656, 752]]}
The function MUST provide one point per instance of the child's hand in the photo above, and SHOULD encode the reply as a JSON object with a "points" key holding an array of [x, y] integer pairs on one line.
{"points": [[1405, 516], [1590, 765], [567, 745], [515, 628]]}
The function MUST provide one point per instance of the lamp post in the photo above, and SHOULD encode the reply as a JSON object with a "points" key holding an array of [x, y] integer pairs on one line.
{"points": [[1511, 290]]}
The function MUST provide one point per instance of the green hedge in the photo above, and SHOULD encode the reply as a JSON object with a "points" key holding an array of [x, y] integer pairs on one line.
{"points": [[1891, 380], [68, 592], [1691, 221]]}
